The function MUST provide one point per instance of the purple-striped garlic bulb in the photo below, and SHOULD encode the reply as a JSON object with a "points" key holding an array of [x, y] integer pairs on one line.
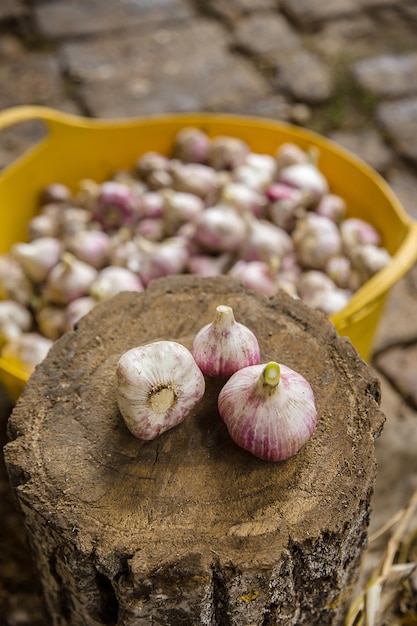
{"points": [[224, 346], [269, 410], [158, 385]]}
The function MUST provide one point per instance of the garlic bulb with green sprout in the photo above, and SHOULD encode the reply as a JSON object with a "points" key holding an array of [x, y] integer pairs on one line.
{"points": [[269, 410], [224, 346], [158, 385]]}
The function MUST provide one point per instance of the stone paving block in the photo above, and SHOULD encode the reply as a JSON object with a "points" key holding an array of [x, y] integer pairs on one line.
{"points": [[16, 140], [378, 4], [395, 451], [306, 13], [10, 47], [357, 32], [263, 33], [399, 365], [388, 76], [404, 184], [62, 19], [398, 324], [12, 9], [275, 107], [180, 69], [366, 144], [399, 119], [305, 76], [34, 78], [231, 10]]}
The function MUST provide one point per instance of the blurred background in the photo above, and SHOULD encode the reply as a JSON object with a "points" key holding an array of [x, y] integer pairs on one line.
{"points": [[346, 69]]}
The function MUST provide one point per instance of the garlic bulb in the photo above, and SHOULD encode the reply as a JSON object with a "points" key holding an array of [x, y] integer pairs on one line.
{"points": [[77, 309], [14, 284], [26, 351], [224, 346], [355, 231], [191, 145], [69, 279], [43, 225], [227, 153], [244, 199], [90, 246], [38, 257], [197, 179], [179, 208], [265, 241], [316, 239], [220, 229], [116, 206], [14, 319], [51, 320], [163, 259], [113, 279], [55, 192], [256, 275], [158, 385], [332, 206], [289, 153], [305, 176], [368, 259], [206, 265], [269, 410]]}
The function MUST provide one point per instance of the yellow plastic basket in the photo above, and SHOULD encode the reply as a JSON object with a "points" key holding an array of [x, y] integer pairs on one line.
{"points": [[77, 147]]}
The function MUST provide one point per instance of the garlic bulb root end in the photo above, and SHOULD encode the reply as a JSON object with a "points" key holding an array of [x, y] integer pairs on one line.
{"points": [[162, 399]]}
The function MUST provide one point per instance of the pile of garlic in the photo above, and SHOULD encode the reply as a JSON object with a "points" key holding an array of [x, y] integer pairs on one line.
{"points": [[268, 408], [213, 207]]}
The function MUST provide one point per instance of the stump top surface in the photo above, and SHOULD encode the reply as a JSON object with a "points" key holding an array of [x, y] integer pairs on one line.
{"points": [[73, 459]]}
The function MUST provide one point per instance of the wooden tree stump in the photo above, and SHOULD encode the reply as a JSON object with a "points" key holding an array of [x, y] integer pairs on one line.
{"points": [[189, 529]]}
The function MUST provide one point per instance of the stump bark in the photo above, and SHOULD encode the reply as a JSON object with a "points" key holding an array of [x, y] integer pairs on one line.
{"points": [[189, 529]]}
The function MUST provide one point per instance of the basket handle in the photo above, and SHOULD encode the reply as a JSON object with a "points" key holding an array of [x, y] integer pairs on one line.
{"points": [[51, 117], [56, 122]]}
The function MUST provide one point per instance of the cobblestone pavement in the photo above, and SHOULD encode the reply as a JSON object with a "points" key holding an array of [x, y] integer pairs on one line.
{"points": [[346, 68]]}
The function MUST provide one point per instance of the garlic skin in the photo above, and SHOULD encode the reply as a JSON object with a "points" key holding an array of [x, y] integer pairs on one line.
{"points": [[224, 346], [158, 385], [269, 410]]}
